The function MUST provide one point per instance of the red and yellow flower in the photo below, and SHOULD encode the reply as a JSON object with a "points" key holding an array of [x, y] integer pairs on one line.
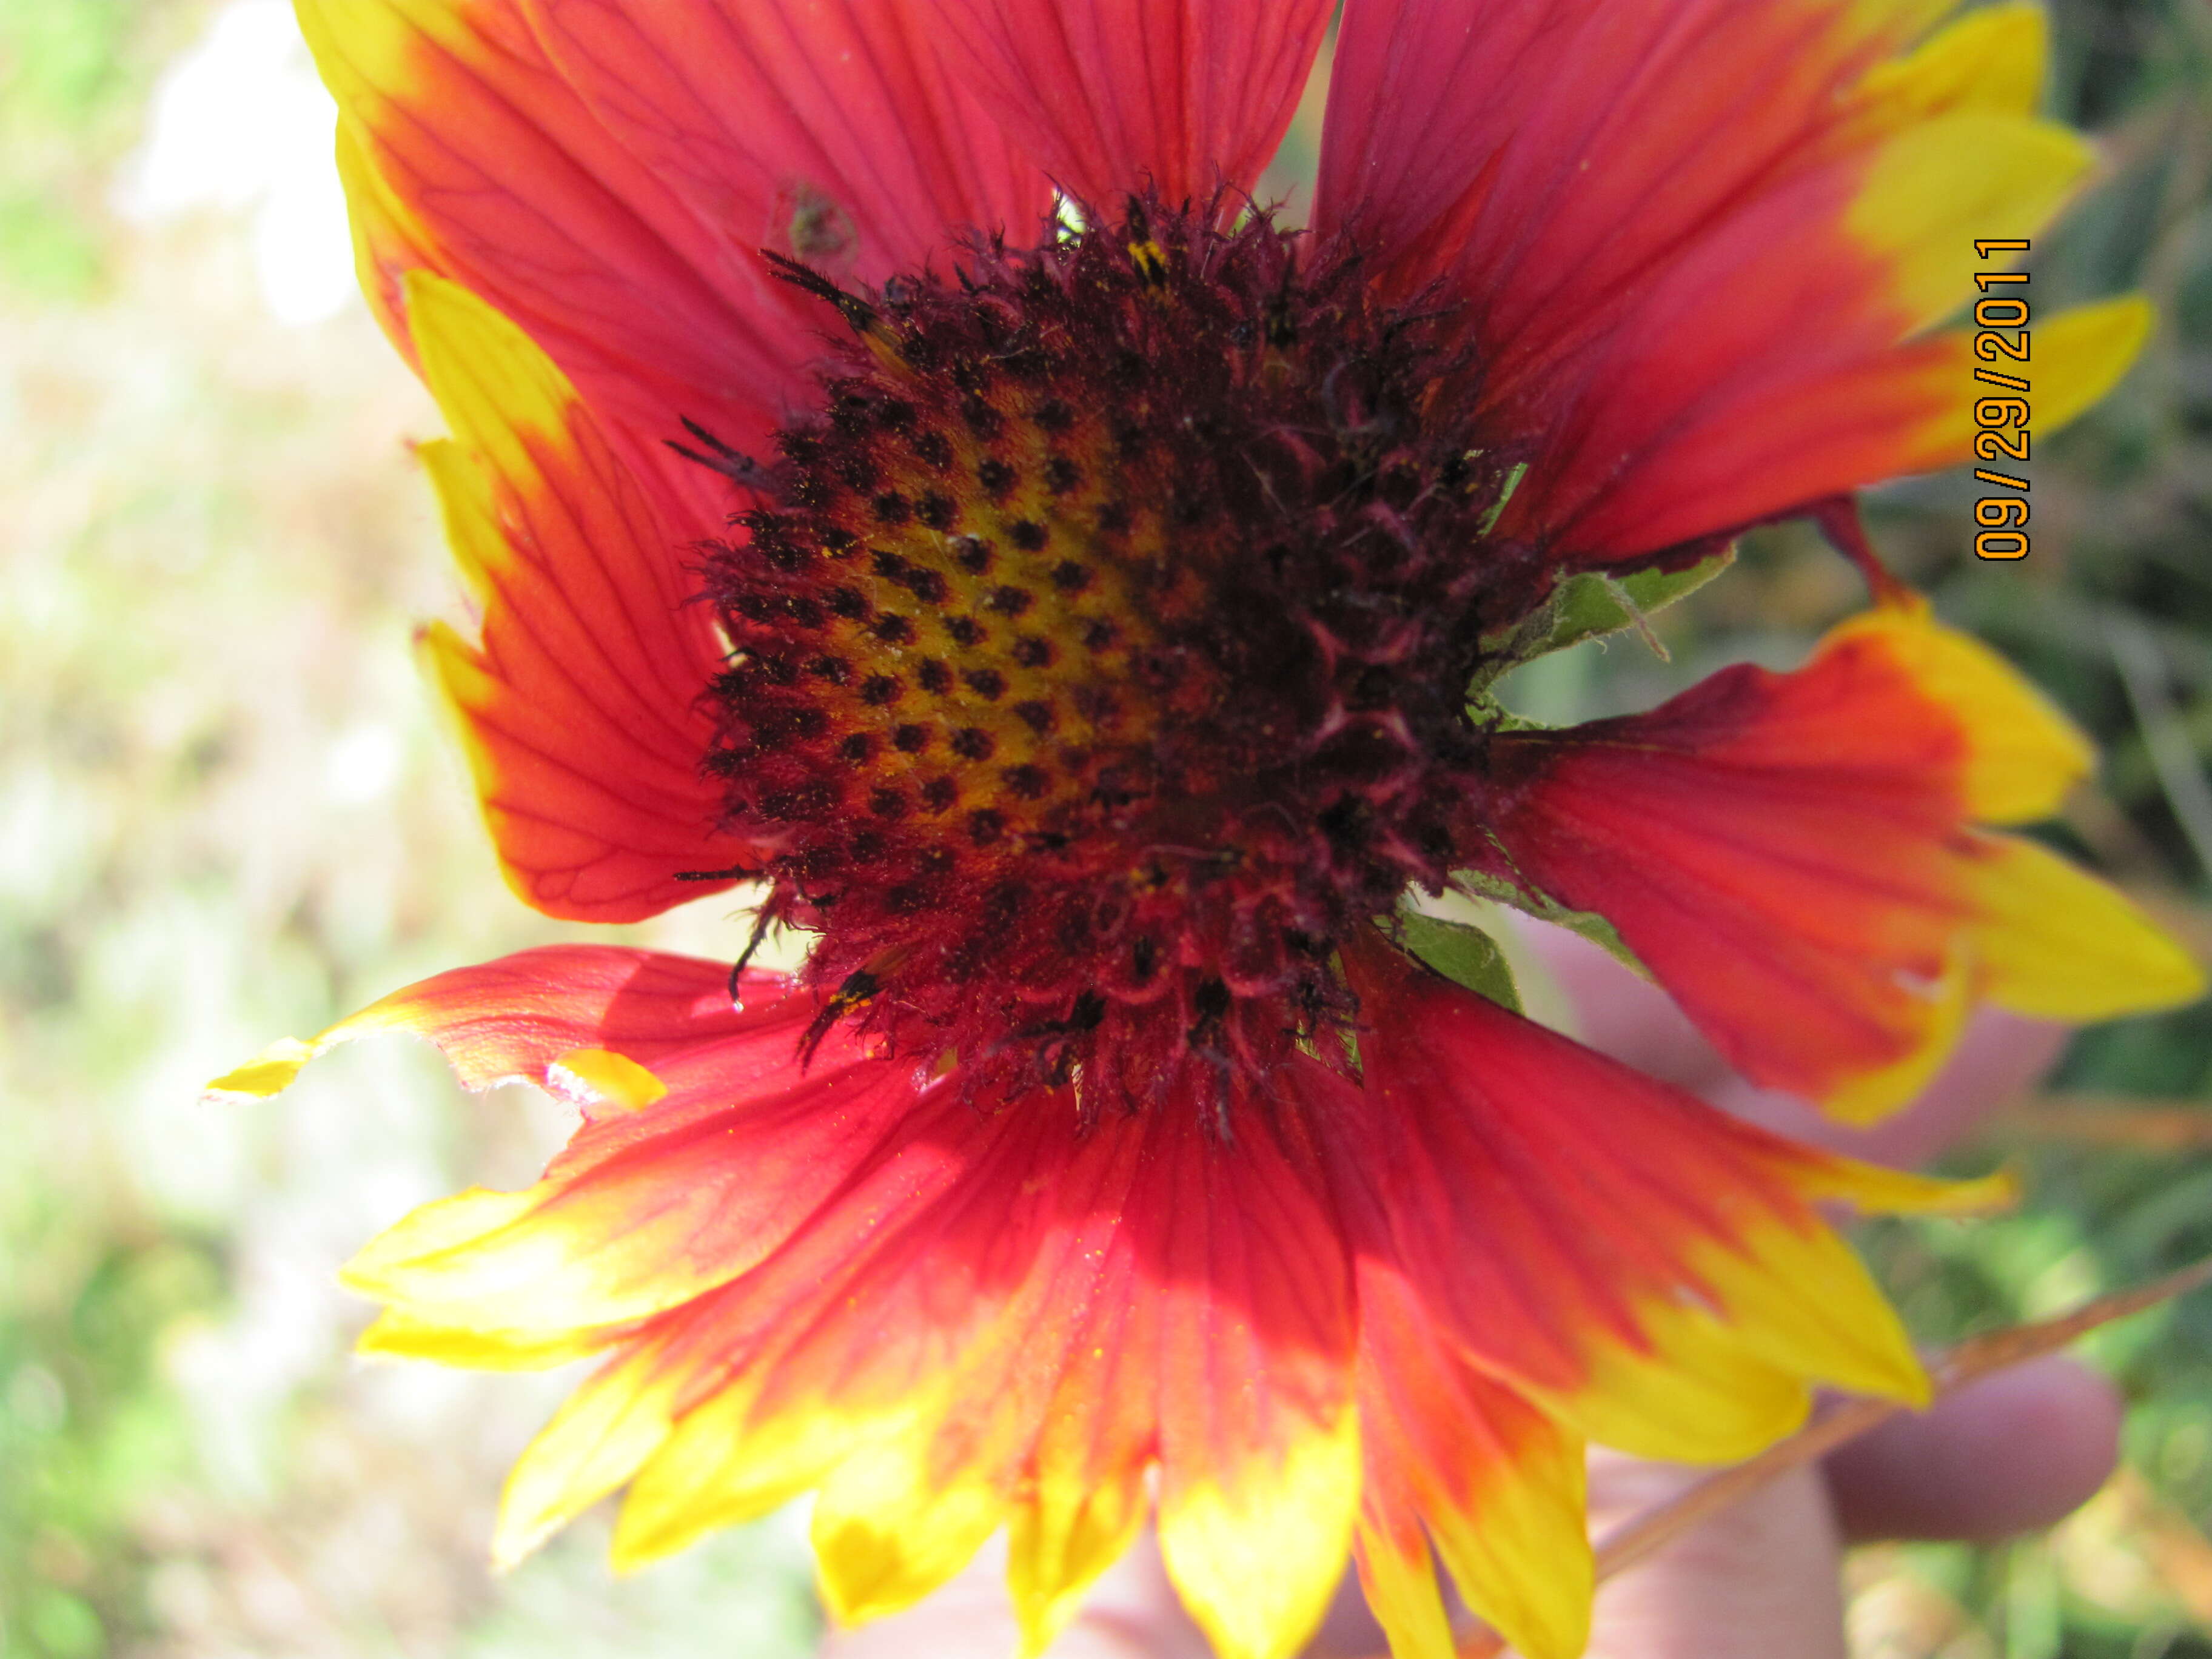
{"points": [[894, 466]]}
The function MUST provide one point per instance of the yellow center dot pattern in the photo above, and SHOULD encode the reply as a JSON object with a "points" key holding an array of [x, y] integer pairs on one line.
{"points": [[995, 653]]}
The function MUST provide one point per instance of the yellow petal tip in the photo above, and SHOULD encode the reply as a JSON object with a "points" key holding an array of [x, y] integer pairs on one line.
{"points": [[2022, 755], [2082, 353], [2000, 1190], [1870, 1096], [512, 1545], [1876, 1189], [269, 1072], [2053, 942], [601, 1076], [1255, 1556]]}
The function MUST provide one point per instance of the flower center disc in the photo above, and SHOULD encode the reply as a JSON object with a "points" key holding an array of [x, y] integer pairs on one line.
{"points": [[1100, 652]]}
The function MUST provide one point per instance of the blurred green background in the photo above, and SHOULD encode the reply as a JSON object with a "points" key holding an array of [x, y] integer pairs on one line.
{"points": [[225, 815]]}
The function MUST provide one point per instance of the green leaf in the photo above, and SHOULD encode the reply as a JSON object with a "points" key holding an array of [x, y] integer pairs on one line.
{"points": [[1512, 483], [1591, 925], [1491, 715], [1593, 605], [1463, 953], [1655, 590]]}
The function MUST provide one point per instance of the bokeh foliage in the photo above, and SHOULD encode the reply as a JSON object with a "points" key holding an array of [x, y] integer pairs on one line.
{"points": [[225, 814]]}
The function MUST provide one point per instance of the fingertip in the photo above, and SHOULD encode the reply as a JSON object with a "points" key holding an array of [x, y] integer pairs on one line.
{"points": [[2000, 1056], [2013, 1452]]}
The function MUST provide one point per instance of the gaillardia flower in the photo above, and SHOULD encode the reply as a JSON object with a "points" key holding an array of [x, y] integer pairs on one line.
{"points": [[899, 466]]}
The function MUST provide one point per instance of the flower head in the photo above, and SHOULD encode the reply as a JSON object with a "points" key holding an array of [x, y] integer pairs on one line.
{"points": [[1082, 626], [1101, 662]]}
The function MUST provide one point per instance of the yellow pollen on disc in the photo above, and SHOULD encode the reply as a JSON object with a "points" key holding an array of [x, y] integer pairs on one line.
{"points": [[996, 613]]}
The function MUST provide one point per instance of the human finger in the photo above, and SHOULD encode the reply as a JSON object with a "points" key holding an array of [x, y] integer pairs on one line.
{"points": [[1757, 1581], [2015, 1451]]}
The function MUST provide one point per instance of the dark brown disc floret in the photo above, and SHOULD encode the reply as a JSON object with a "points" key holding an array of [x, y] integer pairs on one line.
{"points": [[1100, 651]]}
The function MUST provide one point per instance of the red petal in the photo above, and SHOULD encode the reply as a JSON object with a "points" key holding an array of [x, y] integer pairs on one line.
{"points": [[827, 132], [1450, 1455], [828, 1273], [1184, 94], [1642, 1265], [507, 1020], [1007, 1319], [1259, 1476], [920, 1270], [1804, 916], [1461, 1458], [581, 710], [737, 1400], [649, 1205], [1554, 150], [1792, 856], [1677, 297], [498, 173], [1710, 404]]}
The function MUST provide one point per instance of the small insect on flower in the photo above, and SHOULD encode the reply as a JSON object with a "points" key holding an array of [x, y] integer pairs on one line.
{"points": [[1082, 626]]}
